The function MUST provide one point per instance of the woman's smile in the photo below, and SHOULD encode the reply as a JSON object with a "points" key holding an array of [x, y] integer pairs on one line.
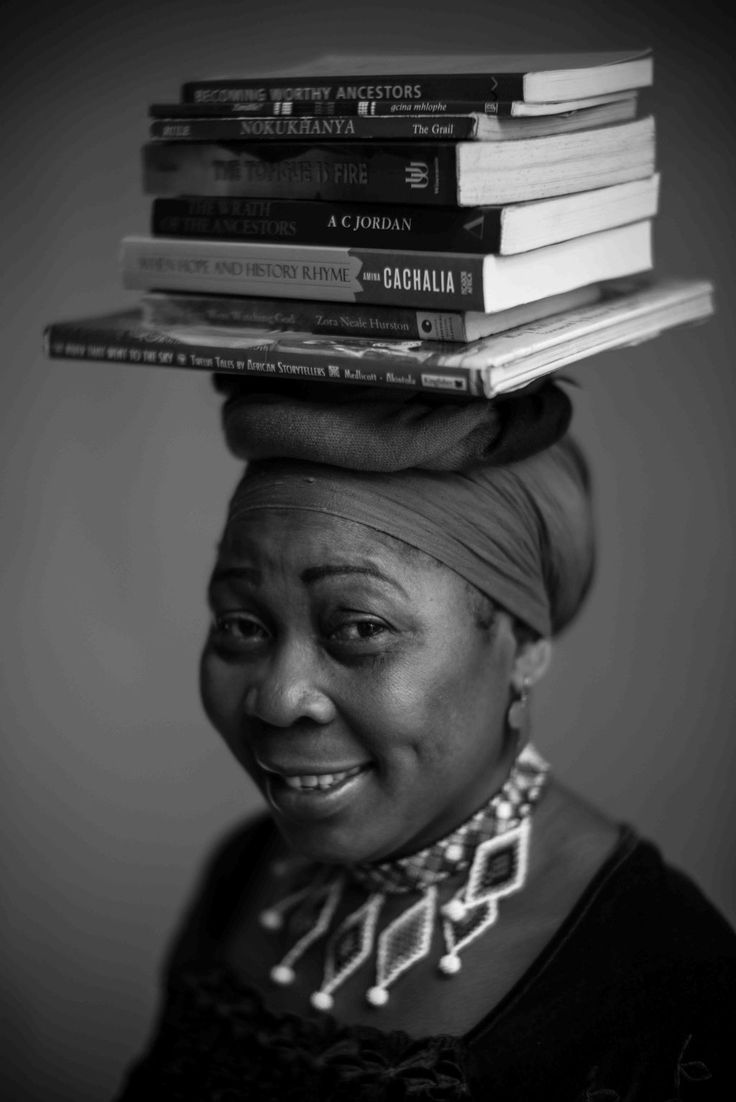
{"points": [[315, 795]]}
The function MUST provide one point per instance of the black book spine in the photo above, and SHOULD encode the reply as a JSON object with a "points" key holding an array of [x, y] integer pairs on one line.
{"points": [[328, 109], [380, 172], [358, 225], [336, 318], [477, 87], [357, 128], [322, 360]]}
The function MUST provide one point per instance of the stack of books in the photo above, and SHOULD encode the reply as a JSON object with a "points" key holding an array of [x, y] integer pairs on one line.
{"points": [[457, 224]]}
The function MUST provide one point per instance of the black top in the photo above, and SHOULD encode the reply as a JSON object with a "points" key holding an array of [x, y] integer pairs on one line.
{"points": [[633, 1000]]}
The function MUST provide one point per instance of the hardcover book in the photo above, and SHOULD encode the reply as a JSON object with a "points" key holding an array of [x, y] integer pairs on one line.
{"points": [[628, 313], [380, 276], [449, 173], [535, 78]]}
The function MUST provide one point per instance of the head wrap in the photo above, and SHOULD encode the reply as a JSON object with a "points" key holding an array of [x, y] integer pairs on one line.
{"points": [[521, 533]]}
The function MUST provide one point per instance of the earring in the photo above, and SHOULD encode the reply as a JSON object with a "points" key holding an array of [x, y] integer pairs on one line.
{"points": [[516, 716]]}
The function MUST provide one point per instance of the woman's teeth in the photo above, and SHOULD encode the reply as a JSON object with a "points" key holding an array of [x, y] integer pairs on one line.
{"points": [[320, 780]]}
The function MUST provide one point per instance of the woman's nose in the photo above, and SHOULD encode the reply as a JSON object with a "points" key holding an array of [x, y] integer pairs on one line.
{"points": [[289, 687]]}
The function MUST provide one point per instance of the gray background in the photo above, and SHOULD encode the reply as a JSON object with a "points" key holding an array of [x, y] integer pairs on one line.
{"points": [[115, 480]]}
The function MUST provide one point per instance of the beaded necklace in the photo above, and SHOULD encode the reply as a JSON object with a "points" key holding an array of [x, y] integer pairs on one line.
{"points": [[492, 846]]}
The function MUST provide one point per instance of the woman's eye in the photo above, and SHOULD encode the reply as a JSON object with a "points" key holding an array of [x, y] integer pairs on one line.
{"points": [[237, 629], [359, 631]]}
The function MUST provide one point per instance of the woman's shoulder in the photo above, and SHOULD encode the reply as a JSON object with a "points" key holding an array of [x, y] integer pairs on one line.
{"points": [[237, 855], [656, 908], [623, 891], [644, 932], [226, 876], [636, 988]]}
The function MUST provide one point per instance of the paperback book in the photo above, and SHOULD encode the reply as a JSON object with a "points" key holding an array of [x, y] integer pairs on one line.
{"points": [[275, 108], [628, 313], [440, 173], [384, 277], [161, 308], [460, 126], [535, 78], [513, 228]]}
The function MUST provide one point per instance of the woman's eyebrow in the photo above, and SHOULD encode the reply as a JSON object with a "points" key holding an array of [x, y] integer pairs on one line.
{"points": [[311, 574], [223, 574], [317, 573]]}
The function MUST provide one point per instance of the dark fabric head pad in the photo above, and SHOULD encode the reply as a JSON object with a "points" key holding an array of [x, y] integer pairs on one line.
{"points": [[373, 429]]}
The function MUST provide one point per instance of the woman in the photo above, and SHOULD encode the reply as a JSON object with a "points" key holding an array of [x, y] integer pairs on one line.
{"points": [[425, 912]]}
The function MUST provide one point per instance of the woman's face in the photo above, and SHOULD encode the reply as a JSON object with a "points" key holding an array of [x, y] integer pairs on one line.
{"points": [[351, 680]]}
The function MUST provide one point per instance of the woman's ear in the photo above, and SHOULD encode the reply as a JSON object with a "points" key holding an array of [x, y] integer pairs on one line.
{"points": [[531, 663]]}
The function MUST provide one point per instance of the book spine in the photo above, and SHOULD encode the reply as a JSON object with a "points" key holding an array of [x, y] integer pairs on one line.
{"points": [[302, 222], [349, 172], [319, 108], [328, 364], [344, 319], [309, 128], [443, 281], [459, 86]]}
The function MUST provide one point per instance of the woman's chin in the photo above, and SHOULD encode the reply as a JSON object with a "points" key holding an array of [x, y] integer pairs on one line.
{"points": [[329, 844]]}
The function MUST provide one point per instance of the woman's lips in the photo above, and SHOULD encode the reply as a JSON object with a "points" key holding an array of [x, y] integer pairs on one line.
{"points": [[314, 794], [309, 782]]}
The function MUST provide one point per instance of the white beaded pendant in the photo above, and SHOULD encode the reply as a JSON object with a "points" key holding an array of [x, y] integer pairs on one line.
{"points": [[273, 917], [404, 941], [282, 974], [349, 946], [323, 906], [459, 932], [499, 868]]}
